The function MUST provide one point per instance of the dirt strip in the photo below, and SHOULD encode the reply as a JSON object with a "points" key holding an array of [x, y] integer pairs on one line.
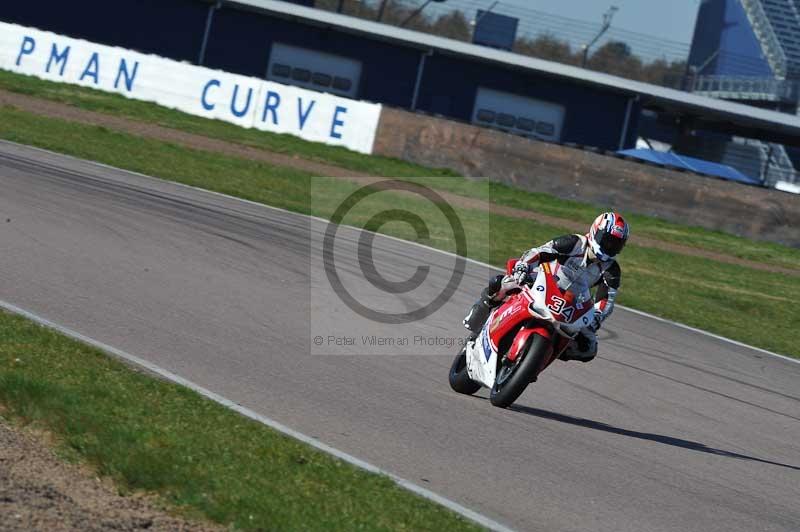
{"points": [[38, 491], [153, 131]]}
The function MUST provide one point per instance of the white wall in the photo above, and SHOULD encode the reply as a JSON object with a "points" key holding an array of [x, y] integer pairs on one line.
{"points": [[247, 102]]}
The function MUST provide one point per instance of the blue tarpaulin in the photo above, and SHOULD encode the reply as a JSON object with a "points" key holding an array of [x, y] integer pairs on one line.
{"points": [[690, 163]]}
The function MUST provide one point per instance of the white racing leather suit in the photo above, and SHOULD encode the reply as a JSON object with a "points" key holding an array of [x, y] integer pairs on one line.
{"points": [[571, 251]]}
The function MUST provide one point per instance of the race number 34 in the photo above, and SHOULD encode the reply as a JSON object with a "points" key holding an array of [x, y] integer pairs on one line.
{"points": [[557, 306]]}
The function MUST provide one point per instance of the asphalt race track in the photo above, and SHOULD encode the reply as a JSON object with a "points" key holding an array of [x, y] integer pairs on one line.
{"points": [[667, 430]]}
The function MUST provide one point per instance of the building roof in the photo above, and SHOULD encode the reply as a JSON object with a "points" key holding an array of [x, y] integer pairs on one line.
{"points": [[698, 111]]}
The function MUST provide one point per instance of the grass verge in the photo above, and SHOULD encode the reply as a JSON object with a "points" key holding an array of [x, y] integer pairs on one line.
{"points": [[644, 226], [725, 299], [148, 434]]}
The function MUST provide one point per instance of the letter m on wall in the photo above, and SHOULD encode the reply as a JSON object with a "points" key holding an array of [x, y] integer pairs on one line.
{"points": [[58, 59]]}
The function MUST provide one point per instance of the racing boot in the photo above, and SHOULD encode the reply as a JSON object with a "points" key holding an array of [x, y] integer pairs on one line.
{"points": [[480, 311], [583, 348]]}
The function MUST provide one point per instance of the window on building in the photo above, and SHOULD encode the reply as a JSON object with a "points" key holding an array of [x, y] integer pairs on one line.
{"points": [[343, 84], [545, 128], [525, 124], [506, 120], [485, 115], [281, 71], [323, 80], [301, 74]]}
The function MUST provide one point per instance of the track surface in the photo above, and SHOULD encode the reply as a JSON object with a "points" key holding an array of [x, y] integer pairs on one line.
{"points": [[667, 430]]}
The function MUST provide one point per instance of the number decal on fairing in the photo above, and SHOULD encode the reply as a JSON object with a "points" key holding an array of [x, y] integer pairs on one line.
{"points": [[557, 307], [556, 304]]}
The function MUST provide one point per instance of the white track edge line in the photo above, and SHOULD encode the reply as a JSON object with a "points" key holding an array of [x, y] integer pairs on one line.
{"points": [[271, 423], [473, 261]]}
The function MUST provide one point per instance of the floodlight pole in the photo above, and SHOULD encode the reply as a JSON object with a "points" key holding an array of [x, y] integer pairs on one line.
{"points": [[209, 19], [607, 16], [381, 9]]}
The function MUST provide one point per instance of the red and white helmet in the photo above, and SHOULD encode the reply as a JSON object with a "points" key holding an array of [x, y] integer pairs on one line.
{"points": [[607, 235]]}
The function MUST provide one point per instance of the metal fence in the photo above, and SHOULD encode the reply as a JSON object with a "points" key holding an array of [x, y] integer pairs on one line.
{"points": [[745, 88]]}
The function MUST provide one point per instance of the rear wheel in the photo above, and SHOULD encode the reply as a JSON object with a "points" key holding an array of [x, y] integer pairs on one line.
{"points": [[459, 378], [512, 379]]}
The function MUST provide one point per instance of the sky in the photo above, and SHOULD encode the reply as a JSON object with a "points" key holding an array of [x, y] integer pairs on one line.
{"points": [[665, 19]]}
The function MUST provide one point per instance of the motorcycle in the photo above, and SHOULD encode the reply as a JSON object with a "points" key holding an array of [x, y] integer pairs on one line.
{"points": [[525, 334]]}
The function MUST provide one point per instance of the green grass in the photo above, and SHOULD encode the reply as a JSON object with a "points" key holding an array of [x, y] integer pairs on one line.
{"points": [[200, 457], [644, 226], [740, 303]]}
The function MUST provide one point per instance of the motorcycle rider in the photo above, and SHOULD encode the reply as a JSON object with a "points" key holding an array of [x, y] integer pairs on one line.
{"points": [[592, 254]]}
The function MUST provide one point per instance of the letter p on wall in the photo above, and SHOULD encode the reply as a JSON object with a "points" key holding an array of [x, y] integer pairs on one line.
{"points": [[26, 48]]}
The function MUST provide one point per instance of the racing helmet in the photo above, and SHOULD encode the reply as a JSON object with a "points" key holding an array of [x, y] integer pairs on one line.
{"points": [[607, 235]]}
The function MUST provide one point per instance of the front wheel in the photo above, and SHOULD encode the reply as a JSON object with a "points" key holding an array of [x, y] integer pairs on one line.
{"points": [[459, 378], [512, 380]]}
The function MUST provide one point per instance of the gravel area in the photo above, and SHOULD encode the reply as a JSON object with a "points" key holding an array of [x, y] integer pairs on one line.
{"points": [[39, 491]]}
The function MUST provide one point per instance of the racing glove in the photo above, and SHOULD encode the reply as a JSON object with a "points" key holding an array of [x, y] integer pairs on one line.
{"points": [[520, 272]]}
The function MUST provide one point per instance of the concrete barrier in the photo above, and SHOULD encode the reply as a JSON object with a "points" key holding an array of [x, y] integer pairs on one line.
{"points": [[244, 101]]}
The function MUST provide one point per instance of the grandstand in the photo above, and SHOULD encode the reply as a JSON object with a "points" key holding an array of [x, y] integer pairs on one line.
{"points": [[748, 51]]}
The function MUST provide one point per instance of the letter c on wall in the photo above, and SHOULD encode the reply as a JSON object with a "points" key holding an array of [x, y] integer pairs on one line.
{"points": [[204, 98]]}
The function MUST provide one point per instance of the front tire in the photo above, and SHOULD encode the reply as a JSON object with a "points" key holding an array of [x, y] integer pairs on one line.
{"points": [[512, 381], [459, 378]]}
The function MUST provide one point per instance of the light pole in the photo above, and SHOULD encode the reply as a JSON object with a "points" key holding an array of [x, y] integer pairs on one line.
{"points": [[380, 10], [419, 10], [607, 16]]}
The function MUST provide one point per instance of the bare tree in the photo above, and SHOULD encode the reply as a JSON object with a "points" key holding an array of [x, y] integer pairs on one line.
{"points": [[614, 57]]}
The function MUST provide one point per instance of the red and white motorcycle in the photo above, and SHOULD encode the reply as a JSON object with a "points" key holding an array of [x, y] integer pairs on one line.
{"points": [[524, 335]]}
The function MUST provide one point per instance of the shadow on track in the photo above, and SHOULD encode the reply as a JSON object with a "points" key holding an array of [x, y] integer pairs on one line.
{"points": [[658, 438]]}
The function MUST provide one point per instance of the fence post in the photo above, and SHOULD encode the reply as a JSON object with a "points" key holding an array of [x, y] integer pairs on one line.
{"points": [[418, 82], [201, 58]]}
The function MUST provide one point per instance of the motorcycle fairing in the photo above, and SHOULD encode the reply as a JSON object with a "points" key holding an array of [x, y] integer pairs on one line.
{"points": [[482, 359], [562, 306], [544, 309], [508, 319]]}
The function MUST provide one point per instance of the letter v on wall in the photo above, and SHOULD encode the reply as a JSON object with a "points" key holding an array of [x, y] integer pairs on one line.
{"points": [[302, 116]]}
